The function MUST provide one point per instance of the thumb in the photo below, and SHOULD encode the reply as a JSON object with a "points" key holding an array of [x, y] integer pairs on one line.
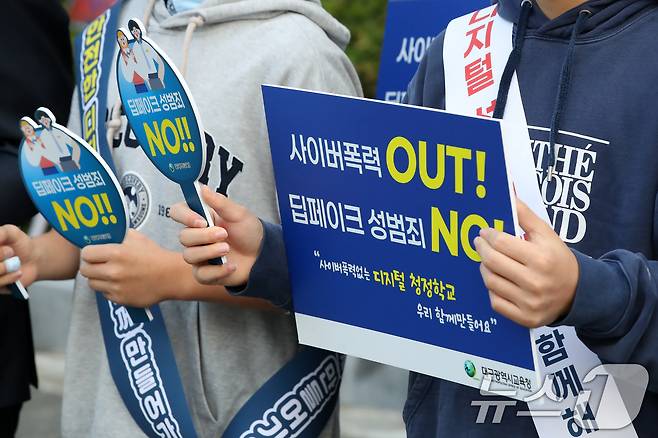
{"points": [[529, 221], [228, 210]]}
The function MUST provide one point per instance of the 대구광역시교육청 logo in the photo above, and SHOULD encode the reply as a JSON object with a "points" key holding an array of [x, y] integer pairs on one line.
{"points": [[469, 367]]}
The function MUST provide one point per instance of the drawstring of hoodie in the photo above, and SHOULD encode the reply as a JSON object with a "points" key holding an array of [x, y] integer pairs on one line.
{"points": [[194, 22], [147, 13], [563, 90], [513, 61], [565, 78], [114, 122]]}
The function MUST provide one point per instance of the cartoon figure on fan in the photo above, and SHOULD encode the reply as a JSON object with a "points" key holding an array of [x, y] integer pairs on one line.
{"points": [[139, 62], [50, 149]]}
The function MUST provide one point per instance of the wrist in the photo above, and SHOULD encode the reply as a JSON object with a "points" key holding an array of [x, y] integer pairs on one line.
{"points": [[601, 297], [52, 257], [38, 258], [268, 276], [175, 283], [571, 285], [182, 286]]}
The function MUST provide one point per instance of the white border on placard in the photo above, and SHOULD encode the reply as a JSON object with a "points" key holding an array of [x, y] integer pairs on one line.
{"points": [[406, 353]]}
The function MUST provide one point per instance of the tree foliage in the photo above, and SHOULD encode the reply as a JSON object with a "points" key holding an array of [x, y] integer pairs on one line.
{"points": [[365, 19]]}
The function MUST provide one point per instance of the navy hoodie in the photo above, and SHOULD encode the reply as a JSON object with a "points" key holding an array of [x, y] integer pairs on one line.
{"points": [[602, 203], [602, 199]]}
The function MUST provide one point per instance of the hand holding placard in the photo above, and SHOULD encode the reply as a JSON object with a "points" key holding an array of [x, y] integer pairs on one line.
{"points": [[241, 234], [126, 273], [72, 186], [162, 114], [531, 281], [11, 270]]}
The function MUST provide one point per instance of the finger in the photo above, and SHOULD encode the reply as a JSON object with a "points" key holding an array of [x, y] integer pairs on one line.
{"points": [[10, 265], [216, 219], [501, 286], [184, 215], [9, 234], [201, 254], [6, 252], [97, 271], [212, 274], [513, 247], [505, 308], [99, 253], [202, 236], [502, 265], [102, 286], [10, 278], [529, 221], [227, 209]]}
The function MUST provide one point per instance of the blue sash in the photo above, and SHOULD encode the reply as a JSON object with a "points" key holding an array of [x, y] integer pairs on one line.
{"points": [[296, 402], [299, 399], [139, 354]]}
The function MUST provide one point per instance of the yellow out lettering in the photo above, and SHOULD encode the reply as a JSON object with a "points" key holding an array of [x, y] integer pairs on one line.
{"points": [[436, 181], [393, 146], [459, 154], [447, 158]]}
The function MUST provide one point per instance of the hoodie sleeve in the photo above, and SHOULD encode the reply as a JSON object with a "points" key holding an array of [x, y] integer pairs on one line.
{"points": [[268, 278], [614, 309]]}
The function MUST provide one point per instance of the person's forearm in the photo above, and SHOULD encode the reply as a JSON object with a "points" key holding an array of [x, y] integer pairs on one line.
{"points": [[615, 310], [179, 284], [56, 258]]}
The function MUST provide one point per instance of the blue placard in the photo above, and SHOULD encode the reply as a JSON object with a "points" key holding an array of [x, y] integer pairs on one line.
{"points": [[70, 184], [159, 107], [380, 204], [411, 25], [162, 113]]}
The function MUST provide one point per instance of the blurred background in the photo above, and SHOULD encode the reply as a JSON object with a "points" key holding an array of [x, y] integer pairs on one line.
{"points": [[372, 395], [366, 20]]}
